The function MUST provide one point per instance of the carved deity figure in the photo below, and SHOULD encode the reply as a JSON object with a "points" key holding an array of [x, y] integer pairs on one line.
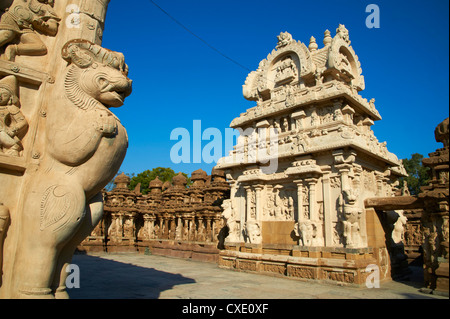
{"points": [[306, 231], [13, 124], [21, 21], [252, 231], [85, 144], [230, 220], [398, 228], [115, 228], [351, 219]]}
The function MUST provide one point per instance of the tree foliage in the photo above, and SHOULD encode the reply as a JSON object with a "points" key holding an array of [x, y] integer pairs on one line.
{"points": [[418, 174], [164, 174]]}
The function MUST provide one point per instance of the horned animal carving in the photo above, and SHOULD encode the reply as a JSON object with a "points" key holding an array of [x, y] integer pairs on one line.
{"points": [[84, 145]]}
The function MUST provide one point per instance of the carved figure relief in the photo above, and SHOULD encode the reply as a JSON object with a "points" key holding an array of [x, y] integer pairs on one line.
{"points": [[285, 70], [22, 22], [279, 204], [230, 218], [398, 227], [252, 231], [85, 145], [306, 231], [351, 215], [115, 228], [13, 124]]}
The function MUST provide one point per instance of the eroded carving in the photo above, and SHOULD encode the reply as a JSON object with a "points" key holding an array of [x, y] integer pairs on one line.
{"points": [[351, 216], [85, 146], [13, 124], [22, 22]]}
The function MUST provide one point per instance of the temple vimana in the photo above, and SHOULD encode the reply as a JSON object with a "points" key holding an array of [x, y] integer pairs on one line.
{"points": [[307, 193], [332, 206]]}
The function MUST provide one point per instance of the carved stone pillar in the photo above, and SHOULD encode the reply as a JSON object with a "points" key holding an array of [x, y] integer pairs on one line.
{"points": [[379, 177], [129, 226], [313, 211], [298, 118], [200, 229], [328, 207], [185, 236], [172, 227], [192, 229], [149, 224], [166, 225], [208, 229], [249, 194], [258, 204], [300, 214]]}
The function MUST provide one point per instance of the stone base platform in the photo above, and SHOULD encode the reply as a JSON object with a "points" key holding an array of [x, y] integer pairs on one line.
{"points": [[336, 265], [200, 251]]}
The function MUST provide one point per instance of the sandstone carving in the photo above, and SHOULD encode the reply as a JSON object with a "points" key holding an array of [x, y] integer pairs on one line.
{"points": [[85, 146], [307, 157], [60, 142], [13, 124], [435, 217], [24, 20]]}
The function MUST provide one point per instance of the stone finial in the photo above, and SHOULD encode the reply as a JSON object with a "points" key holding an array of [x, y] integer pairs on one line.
{"points": [[342, 32], [327, 37], [155, 185], [122, 181], [441, 133], [199, 177], [284, 39], [179, 180], [312, 44]]}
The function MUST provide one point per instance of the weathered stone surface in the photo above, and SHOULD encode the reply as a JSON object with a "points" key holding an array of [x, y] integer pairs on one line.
{"points": [[172, 219], [307, 154], [60, 143], [435, 214]]}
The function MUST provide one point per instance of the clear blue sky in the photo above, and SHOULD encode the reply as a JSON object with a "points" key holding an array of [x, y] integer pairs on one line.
{"points": [[178, 79]]}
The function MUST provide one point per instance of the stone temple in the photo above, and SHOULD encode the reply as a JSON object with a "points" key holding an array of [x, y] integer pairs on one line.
{"points": [[305, 162], [308, 192]]}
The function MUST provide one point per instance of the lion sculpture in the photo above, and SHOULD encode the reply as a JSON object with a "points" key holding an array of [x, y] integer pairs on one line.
{"points": [[85, 144]]}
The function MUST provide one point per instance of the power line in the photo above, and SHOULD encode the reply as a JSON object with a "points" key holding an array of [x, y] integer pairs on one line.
{"points": [[198, 37]]}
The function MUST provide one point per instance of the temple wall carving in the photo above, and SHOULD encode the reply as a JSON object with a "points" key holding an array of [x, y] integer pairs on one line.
{"points": [[307, 158], [171, 219]]}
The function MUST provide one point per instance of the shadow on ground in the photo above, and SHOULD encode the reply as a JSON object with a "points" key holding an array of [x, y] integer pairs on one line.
{"points": [[106, 279]]}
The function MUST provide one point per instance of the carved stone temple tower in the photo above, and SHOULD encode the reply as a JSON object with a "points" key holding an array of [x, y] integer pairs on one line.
{"points": [[59, 142], [303, 165]]}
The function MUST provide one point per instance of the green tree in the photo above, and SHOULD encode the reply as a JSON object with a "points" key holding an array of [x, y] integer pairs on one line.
{"points": [[418, 174], [164, 174]]}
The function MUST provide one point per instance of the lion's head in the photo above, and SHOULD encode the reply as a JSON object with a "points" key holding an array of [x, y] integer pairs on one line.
{"points": [[95, 75]]}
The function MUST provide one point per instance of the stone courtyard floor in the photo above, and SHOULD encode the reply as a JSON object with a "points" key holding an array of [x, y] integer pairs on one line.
{"points": [[138, 276]]}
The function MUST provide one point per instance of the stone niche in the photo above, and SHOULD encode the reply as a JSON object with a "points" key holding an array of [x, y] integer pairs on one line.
{"points": [[59, 142], [304, 163]]}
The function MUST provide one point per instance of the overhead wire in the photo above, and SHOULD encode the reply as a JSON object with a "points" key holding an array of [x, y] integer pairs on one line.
{"points": [[198, 37]]}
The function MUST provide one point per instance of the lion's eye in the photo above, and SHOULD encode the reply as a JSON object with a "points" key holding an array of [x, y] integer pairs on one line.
{"points": [[103, 84]]}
